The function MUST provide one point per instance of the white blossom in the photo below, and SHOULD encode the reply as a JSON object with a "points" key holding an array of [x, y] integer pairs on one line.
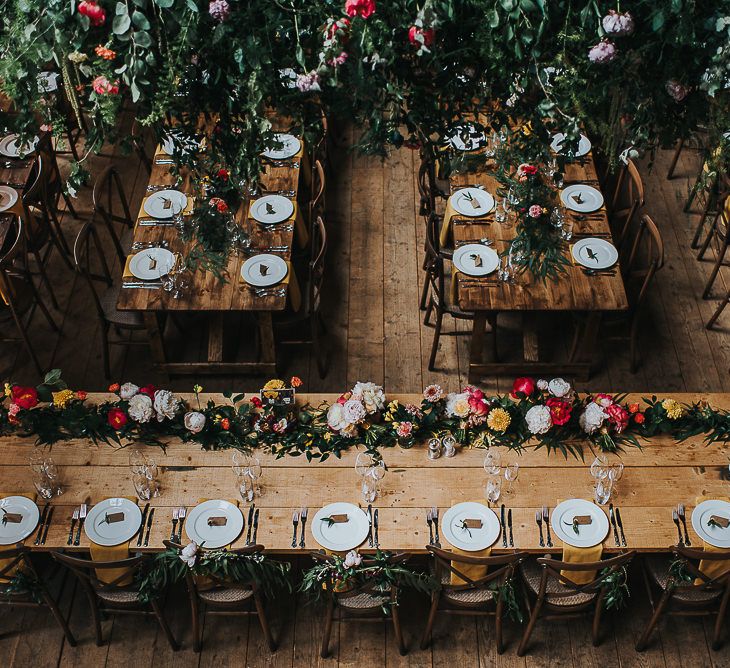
{"points": [[166, 405], [189, 554], [194, 421], [353, 411], [140, 408], [371, 395], [592, 417], [128, 390], [538, 419], [559, 387], [352, 559]]}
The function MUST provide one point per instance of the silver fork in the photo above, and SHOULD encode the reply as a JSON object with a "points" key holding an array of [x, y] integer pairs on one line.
{"points": [[276, 228], [303, 517], [181, 514], [538, 519], [546, 517], [435, 518], [82, 519], [279, 292], [175, 515], [682, 516], [74, 519], [295, 522]]}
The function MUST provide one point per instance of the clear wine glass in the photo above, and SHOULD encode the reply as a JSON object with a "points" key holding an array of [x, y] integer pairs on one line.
{"points": [[511, 471], [493, 489], [492, 461], [603, 491]]}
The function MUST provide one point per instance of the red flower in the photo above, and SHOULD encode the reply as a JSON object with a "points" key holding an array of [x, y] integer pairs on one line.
{"points": [[618, 416], [477, 404], [340, 25], [639, 418], [633, 408], [363, 8], [114, 387], [81, 395], [149, 390], [560, 410], [223, 174], [117, 418], [427, 34], [25, 397], [96, 14], [225, 424], [256, 402], [296, 381], [102, 86], [522, 387], [222, 206], [104, 53]]}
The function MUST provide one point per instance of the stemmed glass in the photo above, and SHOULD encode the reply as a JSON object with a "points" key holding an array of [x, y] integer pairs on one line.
{"points": [[371, 471], [46, 477], [511, 471], [493, 488], [144, 474], [615, 473], [492, 461], [249, 472]]}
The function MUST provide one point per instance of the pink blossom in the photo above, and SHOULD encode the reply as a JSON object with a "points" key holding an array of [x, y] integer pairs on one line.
{"points": [[102, 86], [603, 400], [535, 211], [13, 410], [308, 82], [618, 23], [220, 10], [363, 8], [618, 416], [338, 60], [603, 52], [404, 429]]}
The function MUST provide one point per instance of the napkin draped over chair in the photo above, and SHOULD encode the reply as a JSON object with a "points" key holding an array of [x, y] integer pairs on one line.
{"points": [[710, 567], [580, 555], [113, 553], [472, 571]]}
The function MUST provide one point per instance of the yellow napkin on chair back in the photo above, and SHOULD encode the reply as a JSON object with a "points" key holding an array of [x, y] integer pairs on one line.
{"points": [[4, 562], [580, 555], [112, 553], [711, 568], [473, 571]]}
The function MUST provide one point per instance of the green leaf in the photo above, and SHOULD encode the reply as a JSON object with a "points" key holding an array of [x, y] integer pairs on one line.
{"points": [[657, 21], [493, 18], [140, 20], [143, 39], [192, 6], [121, 24], [164, 4], [120, 9]]}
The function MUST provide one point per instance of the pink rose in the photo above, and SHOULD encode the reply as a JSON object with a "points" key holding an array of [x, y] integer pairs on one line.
{"points": [[535, 211], [421, 36], [13, 410], [603, 400], [362, 8], [102, 86], [404, 429]]}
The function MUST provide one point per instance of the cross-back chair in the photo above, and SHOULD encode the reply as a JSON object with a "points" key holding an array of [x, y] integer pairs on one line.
{"points": [[316, 204], [700, 595], [557, 596], [709, 190], [362, 603], [67, 102], [53, 190], [628, 199], [476, 596], [698, 137], [719, 233], [92, 266], [16, 560], [111, 205], [216, 597], [116, 596]]}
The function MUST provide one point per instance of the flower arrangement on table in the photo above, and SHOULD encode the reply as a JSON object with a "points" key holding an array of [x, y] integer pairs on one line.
{"points": [[173, 565]]}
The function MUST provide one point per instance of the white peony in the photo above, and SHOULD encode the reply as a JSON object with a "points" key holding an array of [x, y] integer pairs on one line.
{"points": [[128, 390], [352, 558], [140, 408], [354, 411], [592, 417], [542, 384], [189, 554], [194, 421], [371, 395], [456, 403], [559, 388], [166, 405], [336, 418], [538, 419]]}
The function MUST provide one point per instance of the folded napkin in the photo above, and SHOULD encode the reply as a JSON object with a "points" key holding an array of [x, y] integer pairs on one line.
{"points": [[113, 553], [294, 293], [296, 219], [473, 571], [580, 555], [445, 239], [711, 568], [4, 562]]}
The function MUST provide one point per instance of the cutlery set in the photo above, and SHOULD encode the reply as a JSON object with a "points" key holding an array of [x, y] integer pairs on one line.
{"points": [[137, 285], [277, 227], [540, 517], [17, 164], [296, 518], [432, 519], [142, 245], [142, 523], [294, 164], [599, 272], [155, 222], [178, 515], [506, 526], [618, 526], [373, 540], [679, 515], [45, 522], [77, 521], [253, 524]]}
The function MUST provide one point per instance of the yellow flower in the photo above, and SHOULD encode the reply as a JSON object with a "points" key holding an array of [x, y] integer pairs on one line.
{"points": [[327, 436], [273, 384], [393, 405], [498, 420], [61, 399], [197, 389], [8, 391], [478, 441], [461, 408], [673, 408]]}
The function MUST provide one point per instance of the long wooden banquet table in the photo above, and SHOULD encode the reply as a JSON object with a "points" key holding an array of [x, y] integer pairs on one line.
{"points": [[656, 478], [207, 294], [575, 291]]}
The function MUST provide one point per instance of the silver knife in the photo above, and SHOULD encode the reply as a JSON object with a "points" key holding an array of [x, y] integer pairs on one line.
{"points": [[509, 523], [504, 527], [620, 526], [48, 524], [141, 525], [375, 519], [149, 527], [370, 530], [255, 525], [250, 523], [44, 514], [613, 524]]}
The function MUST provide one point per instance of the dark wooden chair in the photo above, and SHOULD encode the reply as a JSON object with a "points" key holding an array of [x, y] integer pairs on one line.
{"points": [[316, 204], [436, 294], [477, 597], [17, 559], [223, 598], [138, 139], [709, 190], [20, 295], [628, 199], [309, 316], [53, 190], [718, 311], [556, 596], [640, 261], [111, 206], [698, 138], [677, 597], [92, 266], [719, 233], [67, 102], [115, 597], [362, 603]]}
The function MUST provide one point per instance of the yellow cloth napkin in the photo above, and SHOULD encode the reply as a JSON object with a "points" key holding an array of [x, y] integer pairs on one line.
{"points": [[580, 555], [190, 205], [473, 571], [112, 553], [296, 219], [445, 235], [294, 293], [711, 568], [4, 562]]}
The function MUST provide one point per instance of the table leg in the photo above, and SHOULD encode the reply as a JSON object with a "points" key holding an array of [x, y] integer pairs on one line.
{"points": [[530, 338], [215, 337], [152, 323], [587, 346], [476, 353], [266, 336]]}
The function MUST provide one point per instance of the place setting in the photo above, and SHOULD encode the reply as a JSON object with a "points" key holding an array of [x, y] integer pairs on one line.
{"points": [[11, 147], [472, 202], [474, 265], [711, 522], [579, 523], [282, 149], [341, 526], [470, 526], [8, 197], [113, 522], [163, 206], [19, 518], [584, 146], [596, 255], [266, 274], [147, 268], [215, 523]]}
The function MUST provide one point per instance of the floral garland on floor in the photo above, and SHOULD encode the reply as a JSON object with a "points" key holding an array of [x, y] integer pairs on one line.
{"points": [[537, 413]]}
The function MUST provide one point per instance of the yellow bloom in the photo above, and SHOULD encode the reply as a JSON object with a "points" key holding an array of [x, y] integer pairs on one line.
{"points": [[197, 389], [327, 436], [673, 408], [8, 391], [478, 441], [273, 384], [393, 405], [498, 420], [61, 399]]}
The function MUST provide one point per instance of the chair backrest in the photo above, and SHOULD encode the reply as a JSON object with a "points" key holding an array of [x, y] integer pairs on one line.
{"points": [[643, 258], [11, 560], [14, 265], [434, 264], [86, 571], [87, 249], [426, 185], [560, 570], [110, 204], [52, 181], [319, 185], [317, 264], [499, 569], [687, 556], [628, 198]]}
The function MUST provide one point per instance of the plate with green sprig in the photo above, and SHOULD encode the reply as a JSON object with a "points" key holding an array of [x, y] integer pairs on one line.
{"points": [[340, 536], [707, 527], [579, 535]]}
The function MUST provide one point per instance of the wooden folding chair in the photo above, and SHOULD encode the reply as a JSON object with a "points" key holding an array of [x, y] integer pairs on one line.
{"points": [[111, 206], [628, 199], [477, 597], [719, 232]]}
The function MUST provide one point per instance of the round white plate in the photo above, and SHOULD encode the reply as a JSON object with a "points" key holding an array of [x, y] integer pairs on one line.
{"points": [[584, 145], [475, 139], [198, 530], [165, 203], [8, 197], [344, 536], [595, 253], [14, 533], [464, 202], [99, 531], [588, 534], [151, 263], [290, 147], [272, 209], [714, 535], [9, 146], [590, 198], [479, 539], [264, 270], [465, 261]]}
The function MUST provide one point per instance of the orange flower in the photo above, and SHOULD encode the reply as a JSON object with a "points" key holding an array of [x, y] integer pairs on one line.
{"points": [[106, 54], [296, 381], [81, 395], [639, 418], [633, 408], [225, 424], [114, 387]]}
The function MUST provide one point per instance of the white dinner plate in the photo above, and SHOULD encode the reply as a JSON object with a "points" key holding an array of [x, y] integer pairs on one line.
{"points": [[473, 202], [11, 533], [584, 145], [9, 146], [470, 540], [165, 204], [582, 198], [343, 536], [714, 535], [465, 259], [151, 263], [98, 529], [290, 146], [475, 137], [8, 197], [272, 209], [588, 534], [594, 253], [264, 269], [201, 533]]}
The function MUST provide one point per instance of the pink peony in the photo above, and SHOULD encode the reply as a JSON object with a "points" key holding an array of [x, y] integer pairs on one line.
{"points": [[13, 410], [535, 211], [560, 410], [362, 8], [618, 416], [404, 429], [308, 82], [220, 10], [102, 86], [96, 14], [522, 387], [619, 24], [603, 400], [677, 91], [603, 52]]}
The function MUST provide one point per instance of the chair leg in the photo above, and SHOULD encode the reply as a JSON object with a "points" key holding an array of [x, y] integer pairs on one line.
{"points": [[431, 618], [528, 631], [325, 650], [498, 623], [719, 622], [424, 293], [436, 337], [44, 277], [720, 309], [51, 603], [398, 631], [165, 626], [320, 355], [195, 619], [69, 206], [644, 639], [596, 628], [708, 237], [264, 622], [96, 617], [716, 268], [675, 159]]}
